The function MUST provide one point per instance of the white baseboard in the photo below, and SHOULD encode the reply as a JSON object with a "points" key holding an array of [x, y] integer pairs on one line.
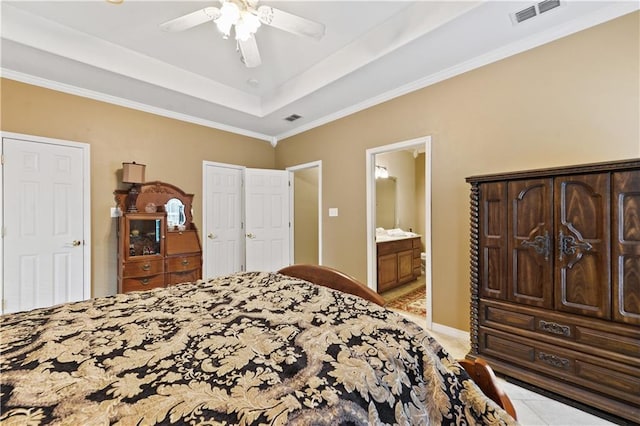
{"points": [[450, 331]]}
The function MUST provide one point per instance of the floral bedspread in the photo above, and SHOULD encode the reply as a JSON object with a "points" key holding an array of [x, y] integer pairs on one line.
{"points": [[251, 348]]}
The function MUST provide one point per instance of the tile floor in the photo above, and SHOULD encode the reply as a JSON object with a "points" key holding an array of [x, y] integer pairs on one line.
{"points": [[533, 409]]}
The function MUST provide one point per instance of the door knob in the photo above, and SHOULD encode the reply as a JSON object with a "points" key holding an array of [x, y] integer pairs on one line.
{"points": [[76, 243], [211, 235], [251, 236]]}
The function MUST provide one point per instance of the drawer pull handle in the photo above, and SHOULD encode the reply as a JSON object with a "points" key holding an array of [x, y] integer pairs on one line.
{"points": [[144, 281], [185, 262], [553, 360], [146, 267], [555, 328]]}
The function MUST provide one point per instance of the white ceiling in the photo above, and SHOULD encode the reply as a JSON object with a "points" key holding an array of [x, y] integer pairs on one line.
{"points": [[372, 51]]}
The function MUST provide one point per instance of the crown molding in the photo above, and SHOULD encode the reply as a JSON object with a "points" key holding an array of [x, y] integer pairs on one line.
{"points": [[77, 91]]}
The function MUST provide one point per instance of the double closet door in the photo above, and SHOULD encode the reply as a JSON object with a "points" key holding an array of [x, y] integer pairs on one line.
{"points": [[246, 225]]}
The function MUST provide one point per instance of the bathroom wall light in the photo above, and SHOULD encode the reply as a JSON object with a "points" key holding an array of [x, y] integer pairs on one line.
{"points": [[381, 172]]}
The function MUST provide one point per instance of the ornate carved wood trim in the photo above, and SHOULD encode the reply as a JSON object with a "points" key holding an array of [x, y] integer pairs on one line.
{"points": [[158, 193], [474, 264]]}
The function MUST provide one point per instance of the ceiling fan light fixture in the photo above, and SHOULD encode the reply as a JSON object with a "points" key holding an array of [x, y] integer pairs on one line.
{"points": [[246, 26], [229, 15]]}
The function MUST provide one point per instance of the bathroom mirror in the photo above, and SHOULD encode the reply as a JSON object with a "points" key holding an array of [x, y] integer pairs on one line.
{"points": [[386, 203], [175, 213]]}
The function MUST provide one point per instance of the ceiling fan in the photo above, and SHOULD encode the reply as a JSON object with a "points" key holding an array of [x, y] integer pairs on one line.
{"points": [[244, 16]]}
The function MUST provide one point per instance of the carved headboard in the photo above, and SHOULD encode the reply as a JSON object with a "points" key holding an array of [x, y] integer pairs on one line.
{"points": [[157, 193]]}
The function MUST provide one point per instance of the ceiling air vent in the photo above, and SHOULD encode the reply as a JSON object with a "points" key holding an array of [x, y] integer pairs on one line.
{"points": [[293, 117], [548, 5], [525, 14], [534, 10]]}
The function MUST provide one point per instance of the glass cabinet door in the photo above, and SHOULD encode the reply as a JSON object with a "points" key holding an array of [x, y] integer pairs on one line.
{"points": [[145, 235]]}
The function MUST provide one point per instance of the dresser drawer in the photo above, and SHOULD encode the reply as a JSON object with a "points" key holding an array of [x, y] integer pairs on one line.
{"points": [[142, 283], [583, 369], [622, 342], [183, 277], [182, 263], [143, 268]]}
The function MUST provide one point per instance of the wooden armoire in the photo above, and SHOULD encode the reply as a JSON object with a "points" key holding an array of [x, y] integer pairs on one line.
{"points": [[555, 280]]}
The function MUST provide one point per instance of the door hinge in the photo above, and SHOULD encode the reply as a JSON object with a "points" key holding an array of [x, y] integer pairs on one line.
{"points": [[2, 159], [3, 232]]}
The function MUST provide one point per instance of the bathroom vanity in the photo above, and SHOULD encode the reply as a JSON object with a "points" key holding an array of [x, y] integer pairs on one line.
{"points": [[398, 262]]}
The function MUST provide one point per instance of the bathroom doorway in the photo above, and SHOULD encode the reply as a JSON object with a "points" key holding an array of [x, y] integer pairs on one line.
{"points": [[407, 210]]}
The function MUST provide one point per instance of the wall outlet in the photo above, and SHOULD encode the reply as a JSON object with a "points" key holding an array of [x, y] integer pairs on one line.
{"points": [[116, 212]]}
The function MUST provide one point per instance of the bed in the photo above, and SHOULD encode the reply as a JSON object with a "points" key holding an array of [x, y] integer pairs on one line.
{"points": [[249, 348]]}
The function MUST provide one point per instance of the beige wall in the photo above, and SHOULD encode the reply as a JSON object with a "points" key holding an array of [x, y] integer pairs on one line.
{"points": [[172, 150], [305, 213], [575, 100]]}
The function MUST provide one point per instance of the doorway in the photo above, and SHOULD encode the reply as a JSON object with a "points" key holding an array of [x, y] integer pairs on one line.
{"points": [[422, 144], [46, 219]]}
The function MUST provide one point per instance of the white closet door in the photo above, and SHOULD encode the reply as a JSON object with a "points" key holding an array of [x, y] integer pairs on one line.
{"points": [[224, 236], [267, 219], [43, 256]]}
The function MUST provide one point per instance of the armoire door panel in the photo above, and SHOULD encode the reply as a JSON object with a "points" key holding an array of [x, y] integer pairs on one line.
{"points": [[626, 247], [530, 244], [493, 240], [582, 230]]}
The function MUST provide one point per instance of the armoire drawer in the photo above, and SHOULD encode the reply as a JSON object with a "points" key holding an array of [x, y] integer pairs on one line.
{"points": [[563, 329], [595, 373]]}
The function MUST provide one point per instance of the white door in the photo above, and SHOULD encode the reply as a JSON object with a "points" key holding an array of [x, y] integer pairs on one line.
{"points": [[267, 219], [222, 225], [43, 220]]}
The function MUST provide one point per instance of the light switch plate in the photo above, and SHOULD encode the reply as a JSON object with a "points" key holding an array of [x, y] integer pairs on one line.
{"points": [[116, 212], [333, 211]]}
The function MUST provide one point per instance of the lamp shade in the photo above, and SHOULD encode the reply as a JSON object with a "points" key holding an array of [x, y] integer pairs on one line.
{"points": [[133, 172]]}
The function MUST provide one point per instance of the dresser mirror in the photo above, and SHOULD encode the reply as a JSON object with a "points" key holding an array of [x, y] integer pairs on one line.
{"points": [[175, 213]]}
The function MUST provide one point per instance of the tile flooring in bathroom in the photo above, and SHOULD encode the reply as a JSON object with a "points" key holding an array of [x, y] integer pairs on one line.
{"points": [[532, 409]]}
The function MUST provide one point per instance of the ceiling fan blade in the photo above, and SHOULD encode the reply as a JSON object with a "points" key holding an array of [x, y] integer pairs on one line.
{"points": [[250, 53], [289, 22], [192, 19]]}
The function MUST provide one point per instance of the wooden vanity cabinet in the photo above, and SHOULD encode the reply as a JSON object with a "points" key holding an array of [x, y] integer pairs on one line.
{"points": [[398, 262], [555, 280], [151, 253]]}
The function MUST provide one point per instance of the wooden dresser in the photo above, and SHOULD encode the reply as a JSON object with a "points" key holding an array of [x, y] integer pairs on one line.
{"points": [[156, 249], [555, 280], [398, 262]]}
